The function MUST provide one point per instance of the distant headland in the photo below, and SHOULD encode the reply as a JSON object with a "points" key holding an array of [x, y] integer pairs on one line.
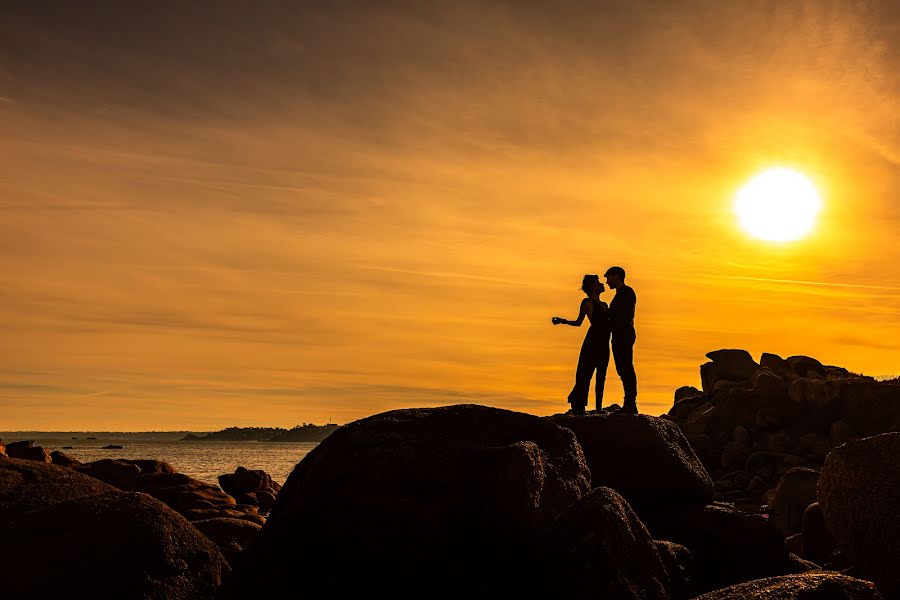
{"points": [[307, 432]]}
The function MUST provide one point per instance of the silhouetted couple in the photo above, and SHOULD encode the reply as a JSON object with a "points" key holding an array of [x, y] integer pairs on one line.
{"points": [[610, 325]]}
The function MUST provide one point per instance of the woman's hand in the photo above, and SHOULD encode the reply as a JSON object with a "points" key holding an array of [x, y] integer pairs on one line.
{"points": [[557, 320]]}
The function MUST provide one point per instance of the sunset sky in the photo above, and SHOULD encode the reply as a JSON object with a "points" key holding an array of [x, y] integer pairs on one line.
{"points": [[268, 213]]}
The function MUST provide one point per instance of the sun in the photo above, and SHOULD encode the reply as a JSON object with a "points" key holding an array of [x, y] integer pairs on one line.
{"points": [[778, 205]]}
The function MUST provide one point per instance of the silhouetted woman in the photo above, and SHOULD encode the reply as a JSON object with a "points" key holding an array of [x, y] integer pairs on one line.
{"points": [[595, 348]]}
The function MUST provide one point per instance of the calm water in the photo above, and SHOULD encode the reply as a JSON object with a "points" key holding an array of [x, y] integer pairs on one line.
{"points": [[202, 460]]}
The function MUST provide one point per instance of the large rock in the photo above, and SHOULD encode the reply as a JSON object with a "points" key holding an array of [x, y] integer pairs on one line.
{"points": [[599, 548], [806, 366], [728, 365], [27, 485], [859, 494], [729, 546], [644, 458], [795, 491], [817, 542], [232, 536], [804, 586], [410, 499], [109, 545], [681, 567], [62, 459], [3, 450], [26, 450], [251, 486]]}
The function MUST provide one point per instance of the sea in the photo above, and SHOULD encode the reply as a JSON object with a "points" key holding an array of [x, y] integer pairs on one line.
{"points": [[202, 460]]}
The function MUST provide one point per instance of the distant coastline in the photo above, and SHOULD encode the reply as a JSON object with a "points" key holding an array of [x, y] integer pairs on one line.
{"points": [[307, 432]]}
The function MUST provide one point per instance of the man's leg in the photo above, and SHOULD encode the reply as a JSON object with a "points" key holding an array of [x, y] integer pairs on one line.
{"points": [[623, 353]]}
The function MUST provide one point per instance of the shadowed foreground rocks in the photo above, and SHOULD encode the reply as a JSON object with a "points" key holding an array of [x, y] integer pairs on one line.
{"points": [[600, 548], [859, 495], [110, 544], [446, 501], [644, 458], [806, 586]]}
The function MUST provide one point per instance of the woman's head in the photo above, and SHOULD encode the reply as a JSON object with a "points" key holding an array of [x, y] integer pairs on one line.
{"points": [[590, 283]]}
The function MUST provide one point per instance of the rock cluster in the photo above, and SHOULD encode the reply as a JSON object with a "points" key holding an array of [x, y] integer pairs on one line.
{"points": [[110, 543], [753, 422], [252, 487], [231, 523]]}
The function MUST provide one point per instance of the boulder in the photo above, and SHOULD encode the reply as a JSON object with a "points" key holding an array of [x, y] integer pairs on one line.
{"points": [[703, 419], [777, 365], [3, 450], [817, 542], [27, 485], [795, 491], [644, 458], [767, 382], [686, 391], [805, 366], [232, 536], [251, 486], [26, 450], [599, 548], [859, 494], [109, 545], [681, 567], [804, 586], [731, 365], [454, 494], [64, 460], [841, 432], [729, 546]]}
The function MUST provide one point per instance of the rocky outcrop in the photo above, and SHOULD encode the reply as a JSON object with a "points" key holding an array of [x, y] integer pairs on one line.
{"points": [[26, 450], [110, 545], [456, 495], [646, 459], [599, 548], [251, 486], [806, 586], [27, 485], [729, 546], [859, 494], [756, 421], [194, 499], [3, 450]]}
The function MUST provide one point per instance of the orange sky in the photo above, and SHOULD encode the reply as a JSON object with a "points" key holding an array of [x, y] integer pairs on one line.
{"points": [[212, 216]]}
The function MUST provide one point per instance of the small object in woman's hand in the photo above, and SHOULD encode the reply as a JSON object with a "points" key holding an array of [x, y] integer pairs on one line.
{"points": [[557, 320]]}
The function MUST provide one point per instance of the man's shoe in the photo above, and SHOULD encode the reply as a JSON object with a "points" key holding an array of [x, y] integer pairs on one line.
{"points": [[629, 409]]}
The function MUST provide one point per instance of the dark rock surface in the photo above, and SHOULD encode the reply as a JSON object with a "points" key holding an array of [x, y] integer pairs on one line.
{"points": [[454, 495], [729, 546], [795, 491], [859, 494], [111, 545], [817, 543], [64, 460], [681, 567], [251, 486], [193, 498], [30, 485], [26, 450], [599, 548], [805, 586], [232, 536], [644, 458]]}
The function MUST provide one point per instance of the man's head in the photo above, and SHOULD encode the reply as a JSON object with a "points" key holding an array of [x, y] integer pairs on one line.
{"points": [[615, 276]]}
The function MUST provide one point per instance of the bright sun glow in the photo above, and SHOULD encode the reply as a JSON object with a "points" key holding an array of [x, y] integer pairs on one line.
{"points": [[778, 205]]}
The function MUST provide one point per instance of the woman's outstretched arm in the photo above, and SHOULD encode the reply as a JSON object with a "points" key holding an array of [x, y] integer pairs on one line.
{"points": [[585, 307]]}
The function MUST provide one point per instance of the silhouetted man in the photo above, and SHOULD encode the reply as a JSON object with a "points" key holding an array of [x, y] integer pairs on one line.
{"points": [[621, 321]]}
